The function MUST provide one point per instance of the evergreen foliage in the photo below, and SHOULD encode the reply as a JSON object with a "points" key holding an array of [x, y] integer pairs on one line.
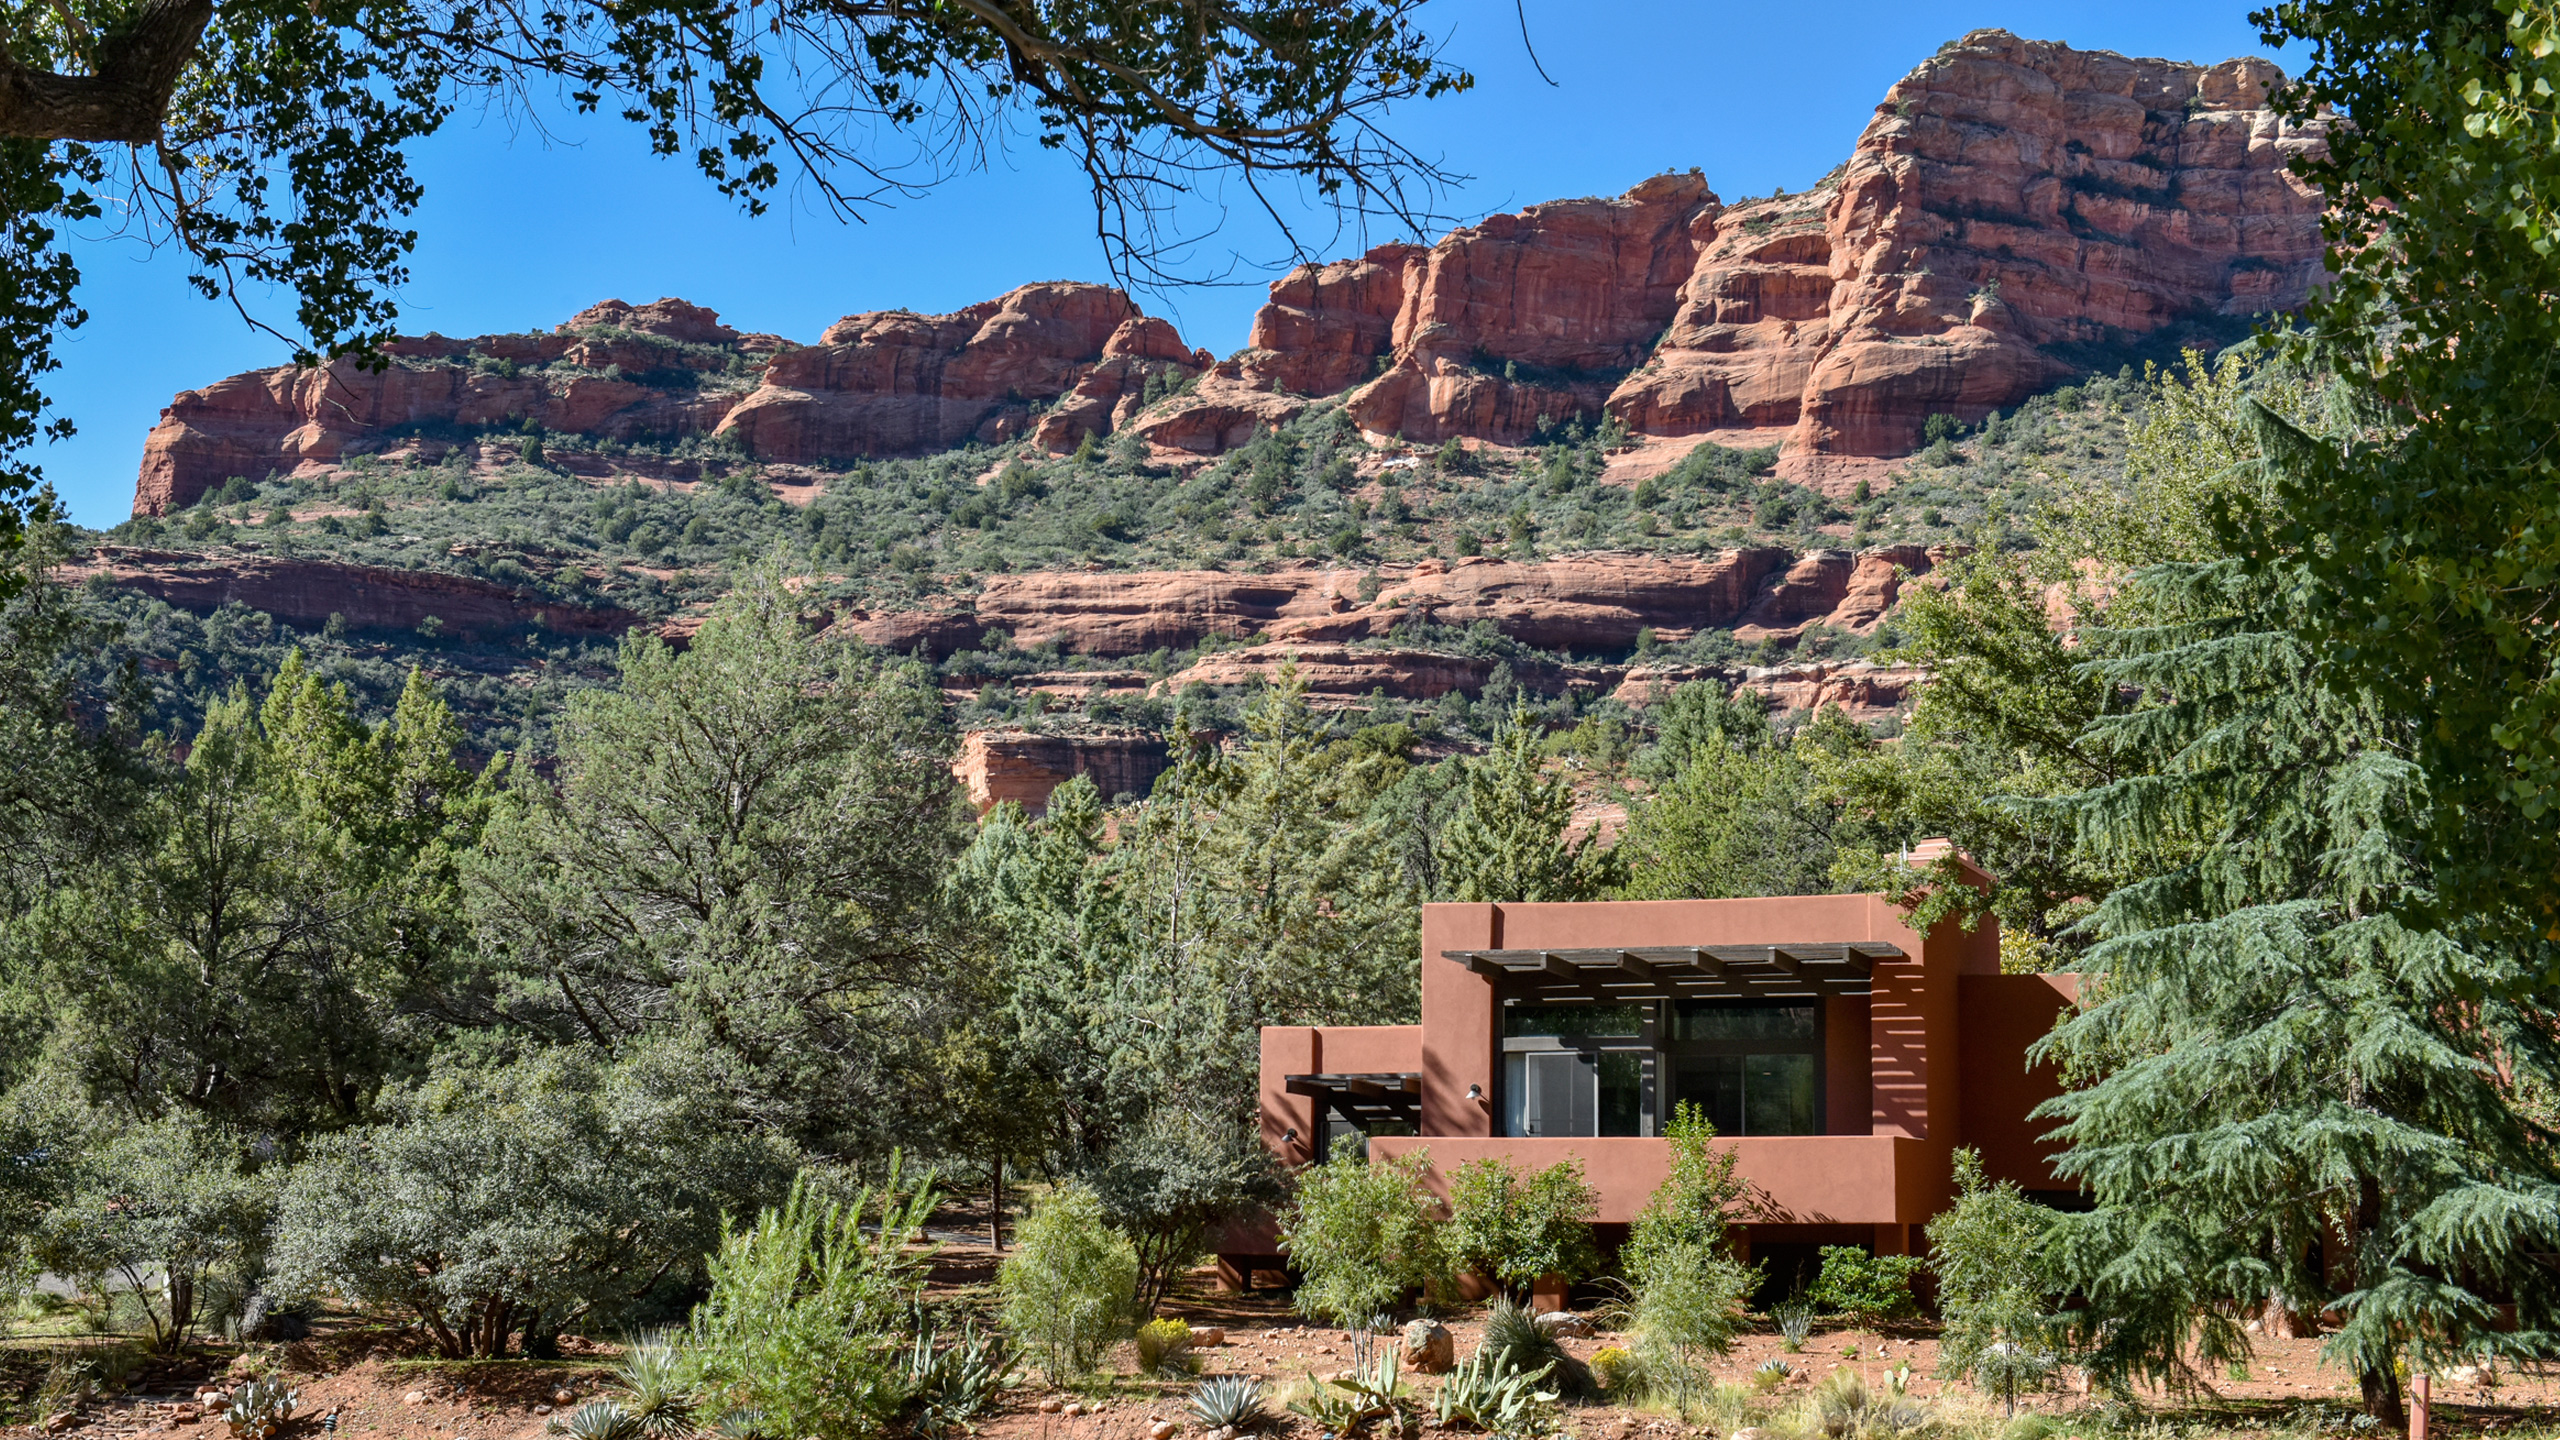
{"points": [[1362, 1232], [1506, 842], [2301, 1084], [1996, 1286]]}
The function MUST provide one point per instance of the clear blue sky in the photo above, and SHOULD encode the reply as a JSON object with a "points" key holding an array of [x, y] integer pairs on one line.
{"points": [[520, 231]]}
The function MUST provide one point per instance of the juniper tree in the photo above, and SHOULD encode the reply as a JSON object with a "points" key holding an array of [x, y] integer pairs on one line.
{"points": [[1507, 840], [2299, 1080]]}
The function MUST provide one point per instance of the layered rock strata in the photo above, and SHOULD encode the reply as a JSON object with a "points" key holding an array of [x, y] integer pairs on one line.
{"points": [[888, 382], [310, 593], [995, 766], [1588, 603], [2016, 212]]}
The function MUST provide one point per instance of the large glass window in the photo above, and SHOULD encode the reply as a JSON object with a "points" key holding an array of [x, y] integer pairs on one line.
{"points": [[1755, 1068]]}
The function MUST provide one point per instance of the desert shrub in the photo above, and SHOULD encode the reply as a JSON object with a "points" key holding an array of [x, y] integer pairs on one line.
{"points": [[1070, 1284], [1167, 1185], [517, 1195], [1686, 1305], [1163, 1344], [1995, 1276], [1868, 1289], [1615, 1369], [1686, 1287], [160, 1207], [1515, 1227], [803, 1323], [1362, 1233]]}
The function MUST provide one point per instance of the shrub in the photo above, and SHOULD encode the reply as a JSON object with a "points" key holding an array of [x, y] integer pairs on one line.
{"points": [[1164, 1344], [1168, 1184], [1515, 1228], [161, 1206], [1514, 1341], [1362, 1233], [806, 1309], [1687, 1305], [1069, 1286], [512, 1196], [1868, 1289], [1614, 1367], [1994, 1276]]}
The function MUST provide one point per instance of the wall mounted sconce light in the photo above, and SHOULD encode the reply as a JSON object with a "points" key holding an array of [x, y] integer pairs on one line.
{"points": [[1289, 1136], [1475, 1092]]}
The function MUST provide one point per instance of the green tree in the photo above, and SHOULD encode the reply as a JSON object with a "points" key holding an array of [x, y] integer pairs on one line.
{"points": [[743, 855], [1069, 1287], [2428, 524], [1361, 1232], [266, 950], [159, 1206], [1507, 840], [1173, 1181], [1514, 1228], [1996, 1283], [527, 1196], [1741, 816], [278, 132], [2297, 1085]]}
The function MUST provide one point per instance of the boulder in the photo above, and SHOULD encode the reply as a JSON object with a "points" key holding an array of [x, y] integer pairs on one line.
{"points": [[1429, 1347], [1561, 1324]]}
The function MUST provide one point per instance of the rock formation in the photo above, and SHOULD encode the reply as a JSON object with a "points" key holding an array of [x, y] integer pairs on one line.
{"points": [[882, 383], [1000, 765], [1589, 603], [310, 592], [894, 382], [2016, 212]]}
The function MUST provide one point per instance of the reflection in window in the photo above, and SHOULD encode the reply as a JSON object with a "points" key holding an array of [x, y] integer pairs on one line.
{"points": [[1752, 1094], [1714, 1020], [1571, 1021], [1574, 1092]]}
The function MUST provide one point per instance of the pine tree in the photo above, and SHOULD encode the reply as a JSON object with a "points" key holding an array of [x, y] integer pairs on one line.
{"points": [[1506, 843], [2303, 1087]]}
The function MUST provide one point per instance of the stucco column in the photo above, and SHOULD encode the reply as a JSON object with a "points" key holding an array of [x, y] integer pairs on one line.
{"points": [[1461, 1030], [1289, 1050]]}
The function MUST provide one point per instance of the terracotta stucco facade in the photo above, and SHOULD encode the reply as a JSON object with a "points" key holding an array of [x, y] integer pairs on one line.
{"points": [[1932, 1057]]}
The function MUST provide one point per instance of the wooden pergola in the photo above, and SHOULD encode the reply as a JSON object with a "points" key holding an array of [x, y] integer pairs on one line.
{"points": [[1364, 1099], [1683, 972]]}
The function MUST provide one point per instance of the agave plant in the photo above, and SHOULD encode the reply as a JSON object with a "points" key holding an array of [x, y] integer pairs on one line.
{"points": [[1511, 1333], [1490, 1394], [1795, 1322], [653, 1372], [743, 1423], [1772, 1373], [1228, 1402], [259, 1409], [597, 1420], [1331, 1411], [955, 1383]]}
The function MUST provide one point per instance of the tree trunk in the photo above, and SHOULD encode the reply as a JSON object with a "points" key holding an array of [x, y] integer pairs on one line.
{"points": [[182, 1309], [995, 1204], [2382, 1398]]}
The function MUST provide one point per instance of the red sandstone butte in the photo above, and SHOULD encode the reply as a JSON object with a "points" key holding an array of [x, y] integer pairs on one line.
{"points": [[894, 382], [276, 420], [309, 592], [2015, 208], [999, 765]]}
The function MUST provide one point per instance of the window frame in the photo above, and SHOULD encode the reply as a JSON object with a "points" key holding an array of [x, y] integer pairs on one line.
{"points": [[1659, 1054]]}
